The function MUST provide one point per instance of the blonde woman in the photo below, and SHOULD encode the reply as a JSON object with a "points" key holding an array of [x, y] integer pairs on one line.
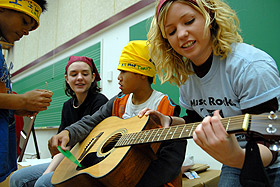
{"points": [[196, 45]]}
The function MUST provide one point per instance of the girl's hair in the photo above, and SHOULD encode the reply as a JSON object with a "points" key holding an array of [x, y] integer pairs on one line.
{"points": [[94, 88], [175, 68]]}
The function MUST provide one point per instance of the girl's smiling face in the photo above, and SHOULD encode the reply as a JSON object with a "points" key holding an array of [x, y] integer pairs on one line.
{"points": [[79, 77], [184, 29]]}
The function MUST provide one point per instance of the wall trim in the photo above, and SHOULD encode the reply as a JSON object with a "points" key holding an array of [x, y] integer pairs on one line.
{"points": [[110, 21]]}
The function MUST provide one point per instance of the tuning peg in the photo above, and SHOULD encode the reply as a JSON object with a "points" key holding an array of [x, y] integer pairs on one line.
{"points": [[272, 115], [271, 129], [275, 146]]}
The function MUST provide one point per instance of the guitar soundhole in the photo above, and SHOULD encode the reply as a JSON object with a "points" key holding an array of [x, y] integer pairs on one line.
{"points": [[109, 145], [90, 160]]}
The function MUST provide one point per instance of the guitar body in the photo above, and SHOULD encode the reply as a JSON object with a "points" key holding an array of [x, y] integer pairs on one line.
{"points": [[105, 165]]}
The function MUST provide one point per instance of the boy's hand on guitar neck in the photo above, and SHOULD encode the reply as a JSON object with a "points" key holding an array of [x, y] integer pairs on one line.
{"points": [[158, 117], [61, 140]]}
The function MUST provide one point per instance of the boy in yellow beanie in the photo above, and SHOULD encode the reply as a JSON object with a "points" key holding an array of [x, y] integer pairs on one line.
{"points": [[137, 73], [17, 18]]}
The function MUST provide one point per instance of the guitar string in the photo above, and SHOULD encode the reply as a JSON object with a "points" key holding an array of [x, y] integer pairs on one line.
{"points": [[234, 119], [176, 133], [164, 134]]}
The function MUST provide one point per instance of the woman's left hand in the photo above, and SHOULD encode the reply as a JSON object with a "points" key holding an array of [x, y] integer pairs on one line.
{"points": [[212, 137]]}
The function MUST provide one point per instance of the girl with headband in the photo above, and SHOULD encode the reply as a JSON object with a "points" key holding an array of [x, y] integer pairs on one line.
{"points": [[17, 18], [81, 77], [196, 45]]}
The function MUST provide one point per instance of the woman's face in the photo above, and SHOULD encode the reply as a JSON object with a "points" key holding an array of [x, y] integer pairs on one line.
{"points": [[79, 77], [184, 29]]}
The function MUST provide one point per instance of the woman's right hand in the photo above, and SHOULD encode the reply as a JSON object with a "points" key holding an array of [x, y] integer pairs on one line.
{"points": [[61, 140], [164, 120]]}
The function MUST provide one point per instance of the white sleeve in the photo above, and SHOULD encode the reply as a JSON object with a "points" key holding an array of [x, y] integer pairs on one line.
{"points": [[258, 82]]}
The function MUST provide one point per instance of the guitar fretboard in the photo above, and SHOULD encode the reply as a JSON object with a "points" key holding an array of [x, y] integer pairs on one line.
{"points": [[184, 131]]}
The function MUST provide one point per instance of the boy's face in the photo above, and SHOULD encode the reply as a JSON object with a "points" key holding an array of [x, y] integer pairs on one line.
{"points": [[130, 82], [14, 24]]}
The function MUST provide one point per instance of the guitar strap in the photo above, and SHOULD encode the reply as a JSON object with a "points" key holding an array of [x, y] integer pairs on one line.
{"points": [[253, 172]]}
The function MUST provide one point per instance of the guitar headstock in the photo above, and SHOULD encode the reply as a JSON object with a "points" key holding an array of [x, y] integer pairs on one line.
{"points": [[266, 125]]}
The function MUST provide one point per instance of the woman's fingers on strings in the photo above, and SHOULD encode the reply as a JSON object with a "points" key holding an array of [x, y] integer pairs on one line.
{"points": [[210, 132], [217, 113], [218, 127], [206, 128], [196, 139], [199, 135]]}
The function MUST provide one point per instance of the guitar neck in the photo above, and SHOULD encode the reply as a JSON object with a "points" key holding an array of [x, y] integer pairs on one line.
{"points": [[185, 131]]}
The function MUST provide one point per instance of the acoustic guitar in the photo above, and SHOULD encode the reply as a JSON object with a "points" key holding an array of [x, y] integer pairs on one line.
{"points": [[117, 152]]}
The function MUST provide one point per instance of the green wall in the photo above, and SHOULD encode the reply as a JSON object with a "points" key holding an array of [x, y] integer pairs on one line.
{"points": [[260, 24]]}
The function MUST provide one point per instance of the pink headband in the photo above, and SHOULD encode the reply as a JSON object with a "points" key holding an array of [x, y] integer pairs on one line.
{"points": [[162, 2], [87, 60]]}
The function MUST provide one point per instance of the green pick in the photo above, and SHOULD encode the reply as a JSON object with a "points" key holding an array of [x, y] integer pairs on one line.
{"points": [[69, 155]]}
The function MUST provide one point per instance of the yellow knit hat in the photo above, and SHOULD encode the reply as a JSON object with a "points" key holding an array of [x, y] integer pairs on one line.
{"points": [[28, 7], [135, 58]]}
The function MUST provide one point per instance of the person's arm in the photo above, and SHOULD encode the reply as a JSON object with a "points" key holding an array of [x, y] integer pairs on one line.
{"points": [[79, 130], [212, 137], [54, 163], [35, 100], [61, 139]]}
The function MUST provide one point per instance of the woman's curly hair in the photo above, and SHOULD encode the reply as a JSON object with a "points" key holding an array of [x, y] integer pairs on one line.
{"points": [[175, 68]]}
